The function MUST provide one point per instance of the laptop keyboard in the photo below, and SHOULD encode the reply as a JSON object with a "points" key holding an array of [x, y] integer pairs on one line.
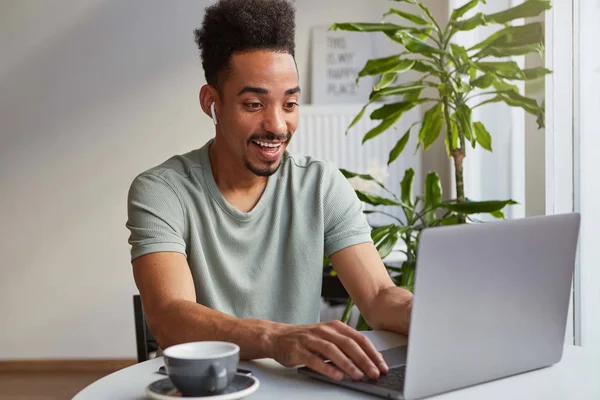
{"points": [[394, 379]]}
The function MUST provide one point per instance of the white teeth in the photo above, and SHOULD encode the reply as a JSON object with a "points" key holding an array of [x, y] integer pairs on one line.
{"points": [[265, 144]]}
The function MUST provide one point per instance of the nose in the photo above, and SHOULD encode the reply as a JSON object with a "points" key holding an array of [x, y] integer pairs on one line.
{"points": [[275, 122]]}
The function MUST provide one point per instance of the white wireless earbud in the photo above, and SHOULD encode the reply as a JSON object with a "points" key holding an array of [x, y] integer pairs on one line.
{"points": [[212, 112]]}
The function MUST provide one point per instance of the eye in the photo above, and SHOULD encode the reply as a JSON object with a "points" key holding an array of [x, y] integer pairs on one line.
{"points": [[254, 106], [291, 105]]}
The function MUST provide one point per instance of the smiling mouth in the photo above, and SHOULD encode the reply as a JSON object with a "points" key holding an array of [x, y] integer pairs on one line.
{"points": [[267, 151], [272, 145]]}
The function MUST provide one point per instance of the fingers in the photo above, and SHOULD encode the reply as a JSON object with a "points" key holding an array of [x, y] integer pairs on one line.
{"points": [[349, 351], [332, 352], [368, 347], [316, 363], [359, 348]]}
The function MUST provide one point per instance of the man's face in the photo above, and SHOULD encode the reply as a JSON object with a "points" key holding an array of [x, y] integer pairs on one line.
{"points": [[259, 108]]}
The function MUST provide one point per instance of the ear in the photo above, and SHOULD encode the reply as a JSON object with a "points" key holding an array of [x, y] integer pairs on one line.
{"points": [[209, 95]]}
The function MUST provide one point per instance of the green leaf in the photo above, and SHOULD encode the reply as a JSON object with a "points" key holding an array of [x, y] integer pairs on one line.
{"points": [[378, 234], [504, 69], [453, 219], [432, 125], [459, 52], [358, 117], [529, 8], [411, 17], [397, 90], [366, 177], [378, 65], [415, 45], [483, 82], [510, 51], [498, 214], [465, 122], [413, 96], [476, 207], [385, 247], [387, 123], [386, 80], [483, 136], [460, 11], [472, 73], [513, 36], [511, 70], [516, 100], [325, 260], [421, 66], [361, 324], [421, 34], [470, 23], [365, 27], [503, 86], [406, 186], [462, 86], [433, 195], [385, 65], [541, 116], [388, 110], [426, 10], [375, 200], [400, 145], [534, 73]]}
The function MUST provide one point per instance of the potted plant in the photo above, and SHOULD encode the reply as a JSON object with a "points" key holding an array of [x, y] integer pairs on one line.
{"points": [[463, 79]]}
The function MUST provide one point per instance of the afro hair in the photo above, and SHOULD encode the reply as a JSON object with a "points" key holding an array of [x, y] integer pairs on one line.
{"points": [[231, 26]]}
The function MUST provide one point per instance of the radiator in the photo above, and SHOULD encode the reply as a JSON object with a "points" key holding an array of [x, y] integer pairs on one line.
{"points": [[321, 134]]}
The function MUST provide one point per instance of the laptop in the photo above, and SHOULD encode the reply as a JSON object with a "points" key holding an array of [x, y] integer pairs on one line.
{"points": [[490, 300]]}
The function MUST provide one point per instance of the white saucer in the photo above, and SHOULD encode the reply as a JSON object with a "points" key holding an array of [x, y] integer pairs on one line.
{"points": [[241, 386]]}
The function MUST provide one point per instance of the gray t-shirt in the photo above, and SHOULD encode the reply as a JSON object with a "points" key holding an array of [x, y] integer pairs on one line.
{"points": [[266, 263]]}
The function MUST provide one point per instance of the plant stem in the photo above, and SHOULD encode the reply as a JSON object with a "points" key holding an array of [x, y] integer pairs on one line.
{"points": [[460, 186], [347, 311], [407, 240], [448, 123], [458, 154]]}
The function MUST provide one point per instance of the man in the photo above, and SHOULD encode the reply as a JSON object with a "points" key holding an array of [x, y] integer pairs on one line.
{"points": [[228, 240]]}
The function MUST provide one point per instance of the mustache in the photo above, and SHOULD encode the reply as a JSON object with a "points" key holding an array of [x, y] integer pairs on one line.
{"points": [[270, 137]]}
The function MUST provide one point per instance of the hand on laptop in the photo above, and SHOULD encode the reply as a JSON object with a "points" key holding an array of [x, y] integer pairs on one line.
{"points": [[351, 352]]}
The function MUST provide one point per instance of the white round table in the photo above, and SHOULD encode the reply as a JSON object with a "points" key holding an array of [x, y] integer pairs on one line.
{"points": [[576, 377]]}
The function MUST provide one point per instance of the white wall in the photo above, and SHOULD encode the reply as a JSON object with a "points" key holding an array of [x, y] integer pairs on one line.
{"points": [[587, 101], [91, 94]]}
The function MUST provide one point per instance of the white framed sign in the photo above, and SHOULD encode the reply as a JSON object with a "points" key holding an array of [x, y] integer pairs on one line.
{"points": [[337, 58]]}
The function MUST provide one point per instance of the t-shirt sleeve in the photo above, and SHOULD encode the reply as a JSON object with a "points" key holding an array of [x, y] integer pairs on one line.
{"points": [[155, 217], [345, 222]]}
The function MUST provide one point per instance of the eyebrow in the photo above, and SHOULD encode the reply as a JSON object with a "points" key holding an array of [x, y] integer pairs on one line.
{"points": [[258, 90]]}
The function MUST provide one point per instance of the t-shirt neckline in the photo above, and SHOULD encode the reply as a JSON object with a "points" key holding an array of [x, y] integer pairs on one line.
{"points": [[216, 194]]}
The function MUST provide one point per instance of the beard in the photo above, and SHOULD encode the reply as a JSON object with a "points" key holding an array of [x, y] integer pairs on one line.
{"points": [[270, 169], [263, 171]]}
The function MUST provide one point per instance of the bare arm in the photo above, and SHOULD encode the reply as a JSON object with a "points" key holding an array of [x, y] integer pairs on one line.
{"points": [[383, 304], [169, 300]]}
